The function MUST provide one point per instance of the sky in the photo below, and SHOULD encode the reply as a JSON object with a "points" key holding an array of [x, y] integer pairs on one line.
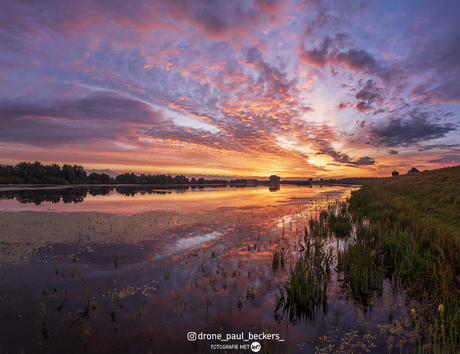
{"points": [[247, 88]]}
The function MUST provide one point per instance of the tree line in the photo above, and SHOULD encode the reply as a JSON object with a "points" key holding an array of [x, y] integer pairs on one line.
{"points": [[37, 173]]}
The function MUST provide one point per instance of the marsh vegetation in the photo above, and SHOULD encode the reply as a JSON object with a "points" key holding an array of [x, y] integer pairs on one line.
{"points": [[400, 238]]}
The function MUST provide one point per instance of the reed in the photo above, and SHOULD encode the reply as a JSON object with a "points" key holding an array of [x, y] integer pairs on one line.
{"points": [[305, 290], [340, 224], [278, 260]]}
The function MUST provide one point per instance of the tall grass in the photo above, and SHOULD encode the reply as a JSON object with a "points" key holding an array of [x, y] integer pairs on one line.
{"points": [[408, 227], [340, 224], [305, 290]]}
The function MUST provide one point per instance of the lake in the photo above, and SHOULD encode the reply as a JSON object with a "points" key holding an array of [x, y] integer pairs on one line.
{"points": [[137, 269]]}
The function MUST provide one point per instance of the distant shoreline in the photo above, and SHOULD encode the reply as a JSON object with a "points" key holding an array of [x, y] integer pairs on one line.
{"points": [[28, 186]]}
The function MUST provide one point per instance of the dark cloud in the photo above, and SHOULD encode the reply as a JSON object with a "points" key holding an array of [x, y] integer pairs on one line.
{"points": [[357, 60], [342, 158], [438, 146], [368, 97], [55, 132], [363, 106], [392, 152], [81, 121], [370, 93], [415, 127], [97, 106], [317, 57]]}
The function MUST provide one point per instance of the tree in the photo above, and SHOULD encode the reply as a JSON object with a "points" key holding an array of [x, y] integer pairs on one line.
{"points": [[395, 173]]}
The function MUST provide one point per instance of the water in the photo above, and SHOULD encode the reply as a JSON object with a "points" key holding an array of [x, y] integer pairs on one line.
{"points": [[133, 270]]}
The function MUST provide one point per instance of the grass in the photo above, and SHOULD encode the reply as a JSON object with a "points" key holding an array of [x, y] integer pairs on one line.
{"points": [[404, 228], [408, 228], [340, 224], [362, 263], [305, 289]]}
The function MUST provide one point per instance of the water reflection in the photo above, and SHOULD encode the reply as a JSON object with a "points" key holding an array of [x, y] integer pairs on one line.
{"points": [[78, 194], [153, 277], [131, 199]]}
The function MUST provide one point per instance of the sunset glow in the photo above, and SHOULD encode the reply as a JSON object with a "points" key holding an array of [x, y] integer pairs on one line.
{"points": [[250, 88]]}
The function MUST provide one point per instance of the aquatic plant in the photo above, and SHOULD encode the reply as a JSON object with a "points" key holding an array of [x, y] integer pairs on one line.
{"points": [[182, 306], [340, 224], [78, 275], [249, 292], [306, 288], [208, 304], [239, 304], [278, 260], [362, 264]]}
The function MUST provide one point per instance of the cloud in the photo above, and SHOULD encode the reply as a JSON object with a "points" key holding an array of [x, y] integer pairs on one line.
{"points": [[196, 81], [447, 159], [96, 106], [357, 60], [101, 115], [342, 105], [406, 131], [438, 146], [317, 57], [343, 158]]}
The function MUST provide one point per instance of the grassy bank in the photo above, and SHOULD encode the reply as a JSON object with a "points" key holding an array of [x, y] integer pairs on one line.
{"points": [[408, 227], [406, 230]]}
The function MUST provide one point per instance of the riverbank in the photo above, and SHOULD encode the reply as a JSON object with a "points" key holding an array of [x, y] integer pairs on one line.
{"points": [[408, 226]]}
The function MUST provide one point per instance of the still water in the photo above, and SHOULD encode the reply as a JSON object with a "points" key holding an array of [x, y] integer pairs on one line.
{"points": [[144, 270]]}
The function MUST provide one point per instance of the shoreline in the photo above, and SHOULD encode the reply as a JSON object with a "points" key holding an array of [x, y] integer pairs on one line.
{"points": [[19, 187]]}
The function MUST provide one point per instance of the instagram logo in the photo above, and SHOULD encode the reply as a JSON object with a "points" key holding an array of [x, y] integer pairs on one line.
{"points": [[191, 336]]}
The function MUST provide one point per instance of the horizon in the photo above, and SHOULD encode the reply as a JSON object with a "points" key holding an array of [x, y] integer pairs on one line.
{"points": [[241, 89], [114, 174]]}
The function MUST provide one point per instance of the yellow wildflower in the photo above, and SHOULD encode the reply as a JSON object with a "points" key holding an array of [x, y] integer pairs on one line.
{"points": [[441, 308], [413, 312]]}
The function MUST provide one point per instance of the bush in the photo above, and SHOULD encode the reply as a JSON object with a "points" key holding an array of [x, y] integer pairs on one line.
{"points": [[395, 173]]}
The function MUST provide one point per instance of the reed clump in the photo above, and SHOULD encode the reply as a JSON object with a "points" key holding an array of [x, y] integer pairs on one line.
{"points": [[363, 264], [305, 290], [340, 224]]}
